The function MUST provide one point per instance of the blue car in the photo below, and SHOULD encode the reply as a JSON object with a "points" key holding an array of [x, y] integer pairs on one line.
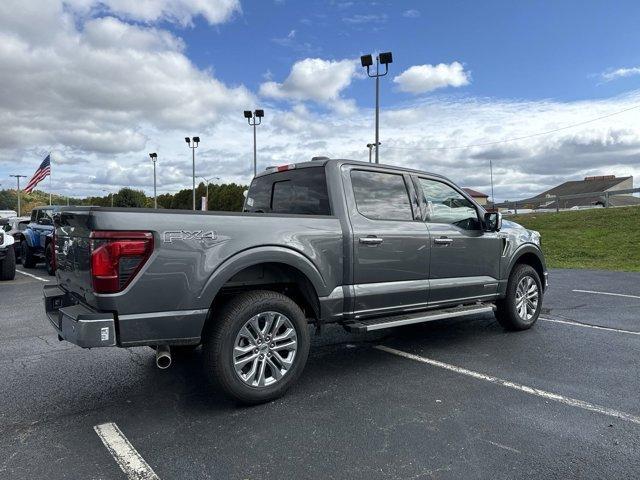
{"points": [[36, 246]]}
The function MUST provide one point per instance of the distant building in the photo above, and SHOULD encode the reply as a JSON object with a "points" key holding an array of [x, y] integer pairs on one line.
{"points": [[481, 198], [597, 186]]}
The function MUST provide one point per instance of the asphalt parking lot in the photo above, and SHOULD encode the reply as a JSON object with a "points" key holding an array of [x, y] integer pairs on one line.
{"points": [[449, 399]]}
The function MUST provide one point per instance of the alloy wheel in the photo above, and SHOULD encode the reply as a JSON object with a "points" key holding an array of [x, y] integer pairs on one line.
{"points": [[264, 349], [527, 296]]}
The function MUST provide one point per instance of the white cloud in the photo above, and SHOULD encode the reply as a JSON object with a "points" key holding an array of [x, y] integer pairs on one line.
{"points": [[620, 73], [368, 18], [411, 13], [425, 78], [177, 11], [315, 79], [94, 86]]}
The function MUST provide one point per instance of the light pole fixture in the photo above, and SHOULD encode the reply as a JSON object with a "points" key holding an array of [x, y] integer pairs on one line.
{"points": [[154, 159], [254, 119], [207, 181], [370, 147], [110, 194], [367, 61], [18, 177], [192, 143]]}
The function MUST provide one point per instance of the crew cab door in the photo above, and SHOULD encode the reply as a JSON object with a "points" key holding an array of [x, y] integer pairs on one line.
{"points": [[390, 242], [465, 259]]}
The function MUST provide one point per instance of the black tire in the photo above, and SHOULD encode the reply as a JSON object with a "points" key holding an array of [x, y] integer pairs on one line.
{"points": [[8, 265], [48, 258], [28, 258], [17, 248], [507, 312], [220, 338]]}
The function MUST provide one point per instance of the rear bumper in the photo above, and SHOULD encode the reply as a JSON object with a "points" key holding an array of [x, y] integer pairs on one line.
{"points": [[76, 323]]}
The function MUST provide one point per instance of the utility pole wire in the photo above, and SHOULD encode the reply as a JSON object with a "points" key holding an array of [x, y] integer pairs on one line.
{"points": [[497, 142]]}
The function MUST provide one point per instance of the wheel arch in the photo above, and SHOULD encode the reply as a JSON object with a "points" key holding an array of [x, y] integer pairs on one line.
{"points": [[29, 236], [529, 254], [275, 268]]}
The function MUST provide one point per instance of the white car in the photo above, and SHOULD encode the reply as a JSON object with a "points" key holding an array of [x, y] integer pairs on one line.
{"points": [[7, 257]]}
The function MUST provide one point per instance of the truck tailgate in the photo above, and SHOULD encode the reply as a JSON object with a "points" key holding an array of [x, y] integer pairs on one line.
{"points": [[73, 253]]}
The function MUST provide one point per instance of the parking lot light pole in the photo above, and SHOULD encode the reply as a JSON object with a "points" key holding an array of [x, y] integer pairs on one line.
{"points": [[493, 199], [254, 119], [367, 61], [192, 143], [154, 159], [370, 147], [18, 177], [207, 181], [108, 192]]}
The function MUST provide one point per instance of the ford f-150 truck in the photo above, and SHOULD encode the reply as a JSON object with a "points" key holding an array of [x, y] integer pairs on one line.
{"points": [[363, 245]]}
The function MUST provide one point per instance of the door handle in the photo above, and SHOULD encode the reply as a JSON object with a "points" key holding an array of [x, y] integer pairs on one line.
{"points": [[443, 241], [370, 240]]}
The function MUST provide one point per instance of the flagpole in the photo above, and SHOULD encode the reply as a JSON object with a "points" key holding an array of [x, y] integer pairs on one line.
{"points": [[50, 182]]}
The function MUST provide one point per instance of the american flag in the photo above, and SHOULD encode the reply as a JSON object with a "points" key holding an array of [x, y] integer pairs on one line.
{"points": [[43, 170]]}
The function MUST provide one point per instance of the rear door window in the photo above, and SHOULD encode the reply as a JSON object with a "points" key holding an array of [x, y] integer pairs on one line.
{"points": [[302, 192], [381, 195]]}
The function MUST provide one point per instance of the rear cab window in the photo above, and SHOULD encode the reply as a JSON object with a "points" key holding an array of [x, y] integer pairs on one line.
{"points": [[300, 191], [381, 195]]}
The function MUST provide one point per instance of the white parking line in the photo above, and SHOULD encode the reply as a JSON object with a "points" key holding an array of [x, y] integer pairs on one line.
{"points": [[129, 460], [607, 293], [594, 327], [516, 386], [32, 275]]}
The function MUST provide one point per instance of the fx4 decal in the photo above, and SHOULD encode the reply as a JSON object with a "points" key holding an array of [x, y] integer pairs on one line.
{"points": [[198, 236]]}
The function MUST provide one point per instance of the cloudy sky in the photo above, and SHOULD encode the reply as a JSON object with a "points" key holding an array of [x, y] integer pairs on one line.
{"points": [[103, 83]]}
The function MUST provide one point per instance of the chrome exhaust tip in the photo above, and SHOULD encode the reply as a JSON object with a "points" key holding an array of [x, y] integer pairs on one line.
{"points": [[163, 357]]}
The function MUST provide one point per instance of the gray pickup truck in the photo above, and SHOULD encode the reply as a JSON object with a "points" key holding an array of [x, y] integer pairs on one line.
{"points": [[363, 245]]}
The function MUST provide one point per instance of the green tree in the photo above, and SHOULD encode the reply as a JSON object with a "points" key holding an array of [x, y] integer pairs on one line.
{"points": [[128, 197]]}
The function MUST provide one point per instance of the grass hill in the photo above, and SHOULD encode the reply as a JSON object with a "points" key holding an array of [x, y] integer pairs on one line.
{"points": [[604, 238]]}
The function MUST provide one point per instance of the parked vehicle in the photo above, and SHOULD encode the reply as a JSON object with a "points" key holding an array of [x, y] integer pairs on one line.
{"points": [[15, 227], [328, 241], [36, 245], [8, 213], [7, 257]]}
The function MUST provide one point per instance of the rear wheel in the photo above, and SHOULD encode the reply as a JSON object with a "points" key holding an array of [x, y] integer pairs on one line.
{"points": [[520, 309], [257, 347], [28, 258], [8, 265]]}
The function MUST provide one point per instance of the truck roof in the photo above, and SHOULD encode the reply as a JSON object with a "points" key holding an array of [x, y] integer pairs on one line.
{"points": [[323, 161]]}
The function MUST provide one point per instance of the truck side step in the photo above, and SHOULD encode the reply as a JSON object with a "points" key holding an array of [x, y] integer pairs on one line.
{"points": [[369, 325]]}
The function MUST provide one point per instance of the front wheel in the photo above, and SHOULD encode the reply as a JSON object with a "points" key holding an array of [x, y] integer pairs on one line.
{"points": [[8, 265], [28, 258], [257, 347], [521, 307]]}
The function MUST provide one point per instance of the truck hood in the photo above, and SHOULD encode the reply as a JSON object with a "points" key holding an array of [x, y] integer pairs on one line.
{"points": [[520, 234]]}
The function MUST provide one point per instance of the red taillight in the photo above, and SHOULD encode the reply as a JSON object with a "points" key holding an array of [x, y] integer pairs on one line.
{"points": [[284, 168], [116, 257]]}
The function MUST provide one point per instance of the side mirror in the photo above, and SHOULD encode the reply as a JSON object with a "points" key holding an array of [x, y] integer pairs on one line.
{"points": [[492, 221]]}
